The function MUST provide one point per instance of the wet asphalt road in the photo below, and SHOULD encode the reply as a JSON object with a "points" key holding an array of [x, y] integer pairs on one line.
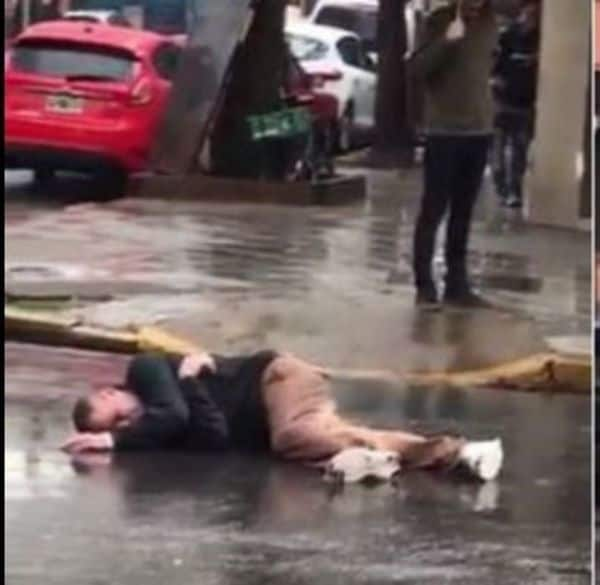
{"points": [[333, 285], [182, 519]]}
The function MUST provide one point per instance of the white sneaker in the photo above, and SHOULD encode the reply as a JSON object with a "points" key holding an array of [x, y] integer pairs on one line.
{"points": [[357, 464], [483, 458]]}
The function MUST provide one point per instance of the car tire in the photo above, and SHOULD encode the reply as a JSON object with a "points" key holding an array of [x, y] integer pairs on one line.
{"points": [[345, 130], [111, 183], [43, 176]]}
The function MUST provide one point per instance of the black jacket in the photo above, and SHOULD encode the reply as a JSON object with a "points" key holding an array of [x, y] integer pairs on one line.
{"points": [[516, 67], [212, 412]]}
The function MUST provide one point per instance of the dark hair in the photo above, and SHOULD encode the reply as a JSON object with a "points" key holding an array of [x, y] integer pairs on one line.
{"points": [[82, 413]]}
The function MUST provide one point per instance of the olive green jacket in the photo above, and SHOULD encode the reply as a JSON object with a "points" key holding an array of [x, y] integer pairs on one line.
{"points": [[456, 74]]}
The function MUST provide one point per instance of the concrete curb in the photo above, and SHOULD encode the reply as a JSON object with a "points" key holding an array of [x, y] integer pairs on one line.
{"points": [[341, 190], [546, 372]]}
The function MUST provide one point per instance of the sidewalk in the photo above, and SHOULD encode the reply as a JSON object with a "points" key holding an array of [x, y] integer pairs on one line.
{"points": [[333, 285], [355, 307]]}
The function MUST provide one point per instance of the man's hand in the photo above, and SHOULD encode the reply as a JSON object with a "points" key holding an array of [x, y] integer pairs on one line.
{"points": [[86, 442], [193, 365], [456, 30]]}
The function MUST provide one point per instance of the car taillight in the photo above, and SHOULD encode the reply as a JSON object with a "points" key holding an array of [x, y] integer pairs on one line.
{"points": [[141, 94], [319, 79]]}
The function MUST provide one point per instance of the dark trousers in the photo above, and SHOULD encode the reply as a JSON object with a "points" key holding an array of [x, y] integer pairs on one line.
{"points": [[512, 136], [453, 171]]}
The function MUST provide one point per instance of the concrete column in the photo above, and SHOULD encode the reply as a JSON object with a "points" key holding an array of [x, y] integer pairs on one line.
{"points": [[555, 182]]}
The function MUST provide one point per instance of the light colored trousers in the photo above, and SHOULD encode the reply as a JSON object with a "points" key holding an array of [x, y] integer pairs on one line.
{"points": [[305, 425]]}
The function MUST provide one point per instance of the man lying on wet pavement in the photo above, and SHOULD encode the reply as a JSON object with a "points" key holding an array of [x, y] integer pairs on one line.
{"points": [[265, 402]]}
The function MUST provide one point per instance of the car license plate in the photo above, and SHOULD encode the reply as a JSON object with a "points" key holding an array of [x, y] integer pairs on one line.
{"points": [[64, 104]]}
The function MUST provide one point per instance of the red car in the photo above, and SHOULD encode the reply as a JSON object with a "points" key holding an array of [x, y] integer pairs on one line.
{"points": [[85, 97], [300, 90]]}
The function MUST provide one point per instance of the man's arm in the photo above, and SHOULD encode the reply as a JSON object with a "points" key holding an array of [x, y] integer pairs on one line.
{"points": [[439, 44], [209, 430], [165, 413]]}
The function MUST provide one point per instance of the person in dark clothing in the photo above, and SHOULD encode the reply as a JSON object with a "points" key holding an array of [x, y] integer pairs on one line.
{"points": [[514, 79], [454, 63], [266, 402], [39, 11]]}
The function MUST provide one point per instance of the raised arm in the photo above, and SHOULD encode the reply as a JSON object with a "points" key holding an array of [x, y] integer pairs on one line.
{"points": [[439, 44]]}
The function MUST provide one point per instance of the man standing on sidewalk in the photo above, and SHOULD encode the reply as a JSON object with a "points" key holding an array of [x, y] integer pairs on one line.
{"points": [[514, 80], [455, 61]]}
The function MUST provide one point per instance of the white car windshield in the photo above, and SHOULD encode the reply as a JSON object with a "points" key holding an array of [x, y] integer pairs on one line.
{"points": [[361, 21], [306, 48]]}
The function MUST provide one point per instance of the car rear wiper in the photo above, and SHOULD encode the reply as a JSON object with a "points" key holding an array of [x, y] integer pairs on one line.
{"points": [[90, 77]]}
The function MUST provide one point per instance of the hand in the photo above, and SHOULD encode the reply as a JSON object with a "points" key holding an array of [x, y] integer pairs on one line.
{"points": [[85, 442], [194, 364], [456, 30], [92, 462]]}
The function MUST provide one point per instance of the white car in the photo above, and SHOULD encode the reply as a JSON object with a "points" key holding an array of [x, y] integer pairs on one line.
{"points": [[112, 17], [339, 65], [360, 17]]}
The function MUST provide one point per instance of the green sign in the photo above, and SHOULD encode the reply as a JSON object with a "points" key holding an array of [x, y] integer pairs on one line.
{"points": [[285, 123]]}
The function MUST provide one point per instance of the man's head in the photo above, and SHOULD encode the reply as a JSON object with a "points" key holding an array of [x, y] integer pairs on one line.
{"points": [[105, 409], [473, 9], [530, 14]]}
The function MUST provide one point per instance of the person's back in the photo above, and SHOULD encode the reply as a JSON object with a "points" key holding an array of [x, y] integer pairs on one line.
{"points": [[457, 93], [234, 387], [223, 403], [516, 68]]}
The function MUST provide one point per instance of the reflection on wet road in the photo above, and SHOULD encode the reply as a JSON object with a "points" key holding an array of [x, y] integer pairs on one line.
{"points": [[333, 285], [237, 276], [179, 519]]}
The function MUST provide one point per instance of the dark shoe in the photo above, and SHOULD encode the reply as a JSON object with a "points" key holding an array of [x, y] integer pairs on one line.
{"points": [[427, 298], [465, 298], [514, 202]]}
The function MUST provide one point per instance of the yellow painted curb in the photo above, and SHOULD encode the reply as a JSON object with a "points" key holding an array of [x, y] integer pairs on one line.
{"points": [[57, 330], [548, 372]]}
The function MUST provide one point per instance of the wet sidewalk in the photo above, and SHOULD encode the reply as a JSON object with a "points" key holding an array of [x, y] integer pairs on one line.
{"points": [[333, 284]]}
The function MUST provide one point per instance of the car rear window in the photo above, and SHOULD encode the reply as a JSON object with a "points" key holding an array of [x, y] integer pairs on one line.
{"points": [[306, 48], [73, 60], [361, 21]]}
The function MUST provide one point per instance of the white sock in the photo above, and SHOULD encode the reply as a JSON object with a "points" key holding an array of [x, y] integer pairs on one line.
{"points": [[483, 458]]}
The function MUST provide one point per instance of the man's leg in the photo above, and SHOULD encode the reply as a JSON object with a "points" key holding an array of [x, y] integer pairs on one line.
{"points": [[470, 168], [520, 139], [415, 451], [300, 411], [438, 169], [305, 426], [499, 160]]}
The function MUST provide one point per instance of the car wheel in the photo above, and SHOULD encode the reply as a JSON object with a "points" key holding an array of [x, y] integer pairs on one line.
{"points": [[42, 176], [346, 129], [112, 183]]}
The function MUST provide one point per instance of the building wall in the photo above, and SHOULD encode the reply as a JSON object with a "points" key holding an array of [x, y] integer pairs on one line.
{"points": [[556, 182]]}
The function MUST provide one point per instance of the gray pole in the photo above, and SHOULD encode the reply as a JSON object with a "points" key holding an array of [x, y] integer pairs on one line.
{"points": [[26, 13]]}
